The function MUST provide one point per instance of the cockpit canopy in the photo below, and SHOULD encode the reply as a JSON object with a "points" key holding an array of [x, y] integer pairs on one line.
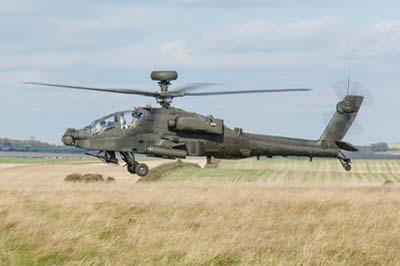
{"points": [[123, 120]]}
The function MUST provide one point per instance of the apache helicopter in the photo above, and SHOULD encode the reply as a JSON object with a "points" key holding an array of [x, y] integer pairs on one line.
{"points": [[174, 133]]}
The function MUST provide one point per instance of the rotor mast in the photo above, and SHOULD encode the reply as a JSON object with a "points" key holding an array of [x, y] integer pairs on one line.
{"points": [[164, 80], [164, 99]]}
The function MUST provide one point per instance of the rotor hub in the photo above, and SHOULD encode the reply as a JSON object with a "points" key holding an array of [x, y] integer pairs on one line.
{"points": [[164, 84], [164, 81], [164, 101]]}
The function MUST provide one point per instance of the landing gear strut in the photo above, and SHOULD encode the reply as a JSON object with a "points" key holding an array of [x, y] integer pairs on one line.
{"points": [[133, 166], [106, 156], [346, 162]]}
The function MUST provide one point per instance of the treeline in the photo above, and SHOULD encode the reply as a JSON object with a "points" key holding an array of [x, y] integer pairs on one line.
{"points": [[7, 144], [376, 147]]}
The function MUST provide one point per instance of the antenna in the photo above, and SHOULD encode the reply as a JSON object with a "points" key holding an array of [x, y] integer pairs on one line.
{"points": [[348, 80]]}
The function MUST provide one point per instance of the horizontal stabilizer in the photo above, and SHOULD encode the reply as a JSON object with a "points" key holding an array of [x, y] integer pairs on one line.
{"points": [[346, 146]]}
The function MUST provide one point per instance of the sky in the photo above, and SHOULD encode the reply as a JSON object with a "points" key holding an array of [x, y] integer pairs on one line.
{"points": [[253, 44]]}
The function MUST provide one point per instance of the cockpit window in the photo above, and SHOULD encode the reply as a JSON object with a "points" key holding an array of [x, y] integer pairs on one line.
{"points": [[123, 120], [104, 124], [130, 119]]}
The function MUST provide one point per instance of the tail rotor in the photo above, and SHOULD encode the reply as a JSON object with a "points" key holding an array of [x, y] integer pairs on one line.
{"points": [[350, 87]]}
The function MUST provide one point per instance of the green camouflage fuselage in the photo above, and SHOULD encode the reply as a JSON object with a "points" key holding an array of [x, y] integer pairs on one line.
{"points": [[175, 133]]}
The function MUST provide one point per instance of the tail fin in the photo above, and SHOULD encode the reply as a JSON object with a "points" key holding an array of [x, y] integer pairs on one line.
{"points": [[346, 113]]}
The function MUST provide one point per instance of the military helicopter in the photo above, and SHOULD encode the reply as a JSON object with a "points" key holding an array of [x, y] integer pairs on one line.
{"points": [[174, 133]]}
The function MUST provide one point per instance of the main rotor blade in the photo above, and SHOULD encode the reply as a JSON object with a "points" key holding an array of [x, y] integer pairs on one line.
{"points": [[243, 92], [123, 91], [193, 86]]}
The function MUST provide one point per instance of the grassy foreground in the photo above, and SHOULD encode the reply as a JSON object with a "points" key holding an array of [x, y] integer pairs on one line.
{"points": [[170, 224], [208, 223]]}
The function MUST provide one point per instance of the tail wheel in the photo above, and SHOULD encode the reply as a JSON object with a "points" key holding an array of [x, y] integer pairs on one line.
{"points": [[346, 162], [142, 169]]}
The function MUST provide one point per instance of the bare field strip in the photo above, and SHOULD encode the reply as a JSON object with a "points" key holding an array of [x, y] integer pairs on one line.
{"points": [[45, 221]]}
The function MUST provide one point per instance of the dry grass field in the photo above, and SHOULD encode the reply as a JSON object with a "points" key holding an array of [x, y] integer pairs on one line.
{"points": [[271, 212]]}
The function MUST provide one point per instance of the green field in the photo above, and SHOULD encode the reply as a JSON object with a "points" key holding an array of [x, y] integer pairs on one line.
{"points": [[293, 171], [389, 152]]}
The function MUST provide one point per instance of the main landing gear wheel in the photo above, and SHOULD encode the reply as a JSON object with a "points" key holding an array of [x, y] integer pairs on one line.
{"points": [[142, 169], [133, 166]]}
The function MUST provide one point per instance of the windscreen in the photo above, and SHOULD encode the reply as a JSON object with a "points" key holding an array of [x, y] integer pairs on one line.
{"points": [[130, 119], [122, 120]]}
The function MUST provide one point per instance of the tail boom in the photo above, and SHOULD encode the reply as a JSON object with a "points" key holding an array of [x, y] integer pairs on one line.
{"points": [[329, 145]]}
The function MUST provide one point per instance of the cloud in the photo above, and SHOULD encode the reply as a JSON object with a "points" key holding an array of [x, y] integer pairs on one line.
{"points": [[14, 78], [114, 37], [382, 40], [264, 35], [178, 52], [248, 3], [112, 18], [84, 7], [328, 41], [50, 59], [259, 43], [175, 54]]}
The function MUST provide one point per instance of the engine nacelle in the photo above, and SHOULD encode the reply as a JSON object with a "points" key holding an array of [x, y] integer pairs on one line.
{"points": [[198, 125]]}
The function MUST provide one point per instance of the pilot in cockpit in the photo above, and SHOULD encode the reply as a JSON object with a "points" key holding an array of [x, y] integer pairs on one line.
{"points": [[103, 126], [132, 124], [135, 117]]}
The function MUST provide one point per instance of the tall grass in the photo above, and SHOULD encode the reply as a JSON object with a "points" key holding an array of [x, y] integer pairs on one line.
{"points": [[266, 222], [204, 224]]}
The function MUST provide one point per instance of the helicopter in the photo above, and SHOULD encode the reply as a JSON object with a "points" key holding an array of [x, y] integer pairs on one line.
{"points": [[170, 132]]}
